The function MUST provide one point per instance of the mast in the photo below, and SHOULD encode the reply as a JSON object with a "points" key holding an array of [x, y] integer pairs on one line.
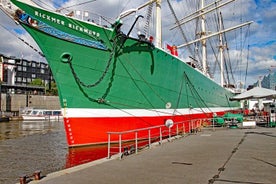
{"points": [[129, 12], [203, 41], [194, 14], [158, 32], [215, 34], [221, 49], [204, 11], [158, 24]]}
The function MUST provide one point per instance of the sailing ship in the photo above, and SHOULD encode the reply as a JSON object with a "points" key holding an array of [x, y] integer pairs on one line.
{"points": [[112, 81]]}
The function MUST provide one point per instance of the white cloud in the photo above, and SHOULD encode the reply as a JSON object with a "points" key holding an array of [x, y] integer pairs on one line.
{"points": [[261, 31]]}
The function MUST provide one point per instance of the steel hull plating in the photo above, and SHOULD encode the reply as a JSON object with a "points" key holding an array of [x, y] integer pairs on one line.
{"points": [[110, 82], [88, 130]]}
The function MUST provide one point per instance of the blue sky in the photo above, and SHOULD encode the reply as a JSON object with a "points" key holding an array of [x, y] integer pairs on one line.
{"points": [[262, 41]]}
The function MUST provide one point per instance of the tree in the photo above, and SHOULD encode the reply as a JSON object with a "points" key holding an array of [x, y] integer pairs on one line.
{"points": [[53, 90], [37, 82], [49, 89]]}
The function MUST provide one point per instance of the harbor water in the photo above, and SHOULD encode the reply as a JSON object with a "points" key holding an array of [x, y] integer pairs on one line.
{"points": [[26, 147]]}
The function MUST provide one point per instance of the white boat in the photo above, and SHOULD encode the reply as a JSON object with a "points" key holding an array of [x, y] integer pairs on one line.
{"points": [[43, 115]]}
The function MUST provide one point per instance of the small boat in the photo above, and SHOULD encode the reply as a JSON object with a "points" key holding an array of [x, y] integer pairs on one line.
{"points": [[43, 115]]}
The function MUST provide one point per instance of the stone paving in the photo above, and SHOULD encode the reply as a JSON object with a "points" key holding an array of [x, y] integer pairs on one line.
{"points": [[222, 156]]}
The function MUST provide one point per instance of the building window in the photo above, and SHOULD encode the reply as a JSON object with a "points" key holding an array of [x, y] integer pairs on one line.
{"points": [[42, 71], [19, 79], [29, 80], [33, 76], [24, 68], [19, 68], [18, 62]]}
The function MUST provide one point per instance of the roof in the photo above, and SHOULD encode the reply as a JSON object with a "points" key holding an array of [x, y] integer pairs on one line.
{"points": [[255, 93]]}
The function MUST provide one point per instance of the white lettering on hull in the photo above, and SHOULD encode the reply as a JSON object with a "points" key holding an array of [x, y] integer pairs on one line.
{"points": [[69, 25]]}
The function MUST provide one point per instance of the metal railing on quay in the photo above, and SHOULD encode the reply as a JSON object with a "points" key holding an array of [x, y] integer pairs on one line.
{"points": [[129, 142], [266, 120]]}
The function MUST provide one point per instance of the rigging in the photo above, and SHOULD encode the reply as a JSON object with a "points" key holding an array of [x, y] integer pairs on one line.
{"points": [[25, 42], [180, 28], [78, 4]]}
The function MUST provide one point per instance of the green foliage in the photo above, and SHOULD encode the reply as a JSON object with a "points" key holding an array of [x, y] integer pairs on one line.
{"points": [[50, 89], [53, 91], [37, 82]]}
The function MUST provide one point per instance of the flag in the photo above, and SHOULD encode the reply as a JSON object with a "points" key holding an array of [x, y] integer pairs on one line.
{"points": [[172, 49]]}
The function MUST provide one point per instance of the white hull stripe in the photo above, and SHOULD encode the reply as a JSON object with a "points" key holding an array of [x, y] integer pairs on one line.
{"points": [[89, 113]]}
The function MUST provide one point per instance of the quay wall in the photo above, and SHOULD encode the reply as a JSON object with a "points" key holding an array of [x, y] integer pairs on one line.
{"points": [[14, 103]]}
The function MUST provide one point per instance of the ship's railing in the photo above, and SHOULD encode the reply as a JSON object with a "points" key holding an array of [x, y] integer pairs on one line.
{"points": [[129, 142], [88, 16]]}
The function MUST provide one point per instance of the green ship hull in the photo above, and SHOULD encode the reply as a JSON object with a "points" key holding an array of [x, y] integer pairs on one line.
{"points": [[108, 81]]}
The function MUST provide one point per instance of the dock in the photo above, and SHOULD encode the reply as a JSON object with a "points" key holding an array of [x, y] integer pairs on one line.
{"points": [[219, 156]]}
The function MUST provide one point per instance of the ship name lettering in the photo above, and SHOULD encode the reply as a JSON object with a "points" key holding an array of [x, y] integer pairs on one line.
{"points": [[82, 29], [70, 25], [49, 18]]}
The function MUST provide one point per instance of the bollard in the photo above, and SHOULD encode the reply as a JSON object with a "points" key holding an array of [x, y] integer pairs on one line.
{"points": [[132, 150], [125, 151], [37, 175], [23, 179]]}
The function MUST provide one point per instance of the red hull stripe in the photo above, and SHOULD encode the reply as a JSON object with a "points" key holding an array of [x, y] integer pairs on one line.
{"points": [[93, 130]]}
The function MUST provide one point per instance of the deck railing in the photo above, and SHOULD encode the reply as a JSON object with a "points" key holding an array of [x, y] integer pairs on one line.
{"points": [[128, 142], [267, 120]]}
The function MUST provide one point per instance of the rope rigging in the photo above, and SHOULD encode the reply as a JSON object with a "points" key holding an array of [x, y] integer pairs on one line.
{"points": [[196, 95], [216, 54], [58, 5], [247, 60], [25, 42], [149, 13], [179, 26], [45, 4], [78, 4], [227, 63], [135, 83]]}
